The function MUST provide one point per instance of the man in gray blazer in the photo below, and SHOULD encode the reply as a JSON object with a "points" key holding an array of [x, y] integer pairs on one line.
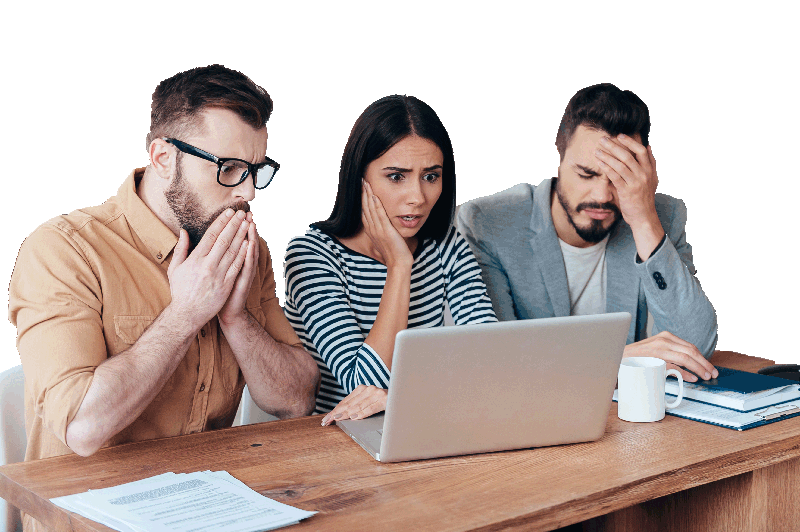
{"points": [[598, 238]]}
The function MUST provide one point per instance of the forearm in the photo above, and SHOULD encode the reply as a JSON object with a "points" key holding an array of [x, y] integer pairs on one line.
{"points": [[392, 313], [124, 385], [283, 379], [677, 302]]}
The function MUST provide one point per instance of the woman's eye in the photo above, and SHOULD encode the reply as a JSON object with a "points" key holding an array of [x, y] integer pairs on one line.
{"points": [[584, 176], [395, 177], [227, 169], [431, 178]]}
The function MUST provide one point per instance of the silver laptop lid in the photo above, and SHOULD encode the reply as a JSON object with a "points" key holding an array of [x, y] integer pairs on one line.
{"points": [[509, 385]]}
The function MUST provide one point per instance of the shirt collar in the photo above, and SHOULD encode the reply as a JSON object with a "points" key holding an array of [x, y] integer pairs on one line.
{"points": [[158, 238]]}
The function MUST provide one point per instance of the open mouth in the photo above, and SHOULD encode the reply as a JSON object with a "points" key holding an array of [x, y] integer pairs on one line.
{"points": [[410, 221]]}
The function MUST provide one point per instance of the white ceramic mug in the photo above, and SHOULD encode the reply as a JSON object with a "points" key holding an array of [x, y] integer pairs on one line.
{"points": [[640, 386]]}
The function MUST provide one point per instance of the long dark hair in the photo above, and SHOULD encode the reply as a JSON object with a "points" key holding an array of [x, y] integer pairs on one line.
{"points": [[382, 125]]}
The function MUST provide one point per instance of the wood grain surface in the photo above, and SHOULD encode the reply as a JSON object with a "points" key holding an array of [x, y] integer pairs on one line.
{"points": [[676, 464]]}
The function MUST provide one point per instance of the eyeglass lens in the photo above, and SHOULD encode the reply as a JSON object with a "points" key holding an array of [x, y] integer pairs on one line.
{"points": [[233, 172]]}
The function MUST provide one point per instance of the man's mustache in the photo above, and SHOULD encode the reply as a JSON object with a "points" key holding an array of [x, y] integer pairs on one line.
{"points": [[608, 206], [241, 206]]}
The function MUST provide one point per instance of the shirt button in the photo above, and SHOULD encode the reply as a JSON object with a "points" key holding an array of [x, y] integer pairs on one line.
{"points": [[159, 256], [203, 333], [202, 387]]}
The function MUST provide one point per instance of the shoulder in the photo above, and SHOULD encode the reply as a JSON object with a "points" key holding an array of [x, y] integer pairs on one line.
{"points": [[314, 246], [671, 211], [72, 232], [515, 202]]}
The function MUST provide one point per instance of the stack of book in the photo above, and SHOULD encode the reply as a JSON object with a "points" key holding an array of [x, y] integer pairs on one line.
{"points": [[736, 399]]}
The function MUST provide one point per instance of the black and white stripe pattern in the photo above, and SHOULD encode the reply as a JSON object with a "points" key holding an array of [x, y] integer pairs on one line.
{"points": [[333, 294]]}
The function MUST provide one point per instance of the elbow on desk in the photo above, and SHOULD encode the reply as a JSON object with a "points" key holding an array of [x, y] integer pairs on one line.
{"points": [[82, 440]]}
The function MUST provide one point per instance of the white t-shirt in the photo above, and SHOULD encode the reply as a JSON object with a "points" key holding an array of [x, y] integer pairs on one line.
{"points": [[586, 277]]}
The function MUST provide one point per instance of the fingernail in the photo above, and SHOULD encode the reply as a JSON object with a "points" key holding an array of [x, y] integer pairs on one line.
{"points": [[228, 212], [692, 378], [240, 215], [597, 152], [605, 140], [622, 136], [337, 416], [324, 420], [707, 375], [716, 374], [353, 416]]}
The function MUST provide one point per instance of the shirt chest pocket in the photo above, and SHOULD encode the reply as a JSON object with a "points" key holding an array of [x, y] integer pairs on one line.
{"points": [[128, 329]]}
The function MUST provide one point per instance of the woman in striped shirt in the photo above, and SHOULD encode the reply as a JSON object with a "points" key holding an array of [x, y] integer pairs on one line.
{"points": [[387, 258]]}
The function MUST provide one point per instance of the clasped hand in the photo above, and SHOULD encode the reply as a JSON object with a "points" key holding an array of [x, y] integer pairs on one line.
{"points": [[216, 277]]}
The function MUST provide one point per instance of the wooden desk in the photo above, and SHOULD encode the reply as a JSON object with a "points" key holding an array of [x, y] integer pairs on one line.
{"points": [[671, 475]]}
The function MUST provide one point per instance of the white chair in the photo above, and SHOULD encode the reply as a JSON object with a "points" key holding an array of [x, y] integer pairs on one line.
{"points": [[12, 435], [249, 412]]}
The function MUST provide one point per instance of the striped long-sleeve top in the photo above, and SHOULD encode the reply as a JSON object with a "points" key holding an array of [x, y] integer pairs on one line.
{"points": [[333, 294]]}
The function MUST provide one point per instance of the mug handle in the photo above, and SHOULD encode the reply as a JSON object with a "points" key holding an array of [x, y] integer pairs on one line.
{"points": [[677, 401]]}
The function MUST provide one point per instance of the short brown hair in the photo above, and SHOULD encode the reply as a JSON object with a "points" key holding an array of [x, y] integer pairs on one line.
{"points": [[177, 101], [607, 108]]}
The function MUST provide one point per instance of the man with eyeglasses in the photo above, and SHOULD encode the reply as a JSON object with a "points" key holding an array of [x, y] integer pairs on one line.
{"points": [[144, 317]]}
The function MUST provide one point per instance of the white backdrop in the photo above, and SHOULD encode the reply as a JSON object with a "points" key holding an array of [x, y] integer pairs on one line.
{"points": [[77, 81]]}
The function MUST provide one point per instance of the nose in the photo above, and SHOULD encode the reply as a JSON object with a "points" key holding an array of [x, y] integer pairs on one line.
{"points": [[246, 190], [414, 195], [603, 190]]}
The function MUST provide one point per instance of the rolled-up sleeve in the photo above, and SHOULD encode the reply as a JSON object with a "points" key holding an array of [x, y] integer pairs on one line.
{"points": [[55, 302]]}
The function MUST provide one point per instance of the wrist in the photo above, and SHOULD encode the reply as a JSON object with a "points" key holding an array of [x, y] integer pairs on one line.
{"points": [[233, 321], [184, 323]]}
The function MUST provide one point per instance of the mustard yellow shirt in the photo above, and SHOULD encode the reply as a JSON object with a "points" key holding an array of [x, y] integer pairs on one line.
{"points": [[84, 288]]}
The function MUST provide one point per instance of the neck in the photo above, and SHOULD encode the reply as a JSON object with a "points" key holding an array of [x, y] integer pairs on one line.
{"points": [[151, 191]]}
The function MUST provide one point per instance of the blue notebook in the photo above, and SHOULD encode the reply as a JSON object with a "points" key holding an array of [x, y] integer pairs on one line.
{"points": [[738, 390]]}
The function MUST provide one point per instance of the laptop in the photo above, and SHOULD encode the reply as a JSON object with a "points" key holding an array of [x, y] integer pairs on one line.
{"points": [[495, 387]]}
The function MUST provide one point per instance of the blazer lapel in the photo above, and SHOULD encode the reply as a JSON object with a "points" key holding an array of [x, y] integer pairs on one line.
{"points": [[622, 282], [547, 251]]}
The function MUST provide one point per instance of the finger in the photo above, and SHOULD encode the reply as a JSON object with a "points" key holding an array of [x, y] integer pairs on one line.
{"points": [[380, 213], [180, 252], [225, 238], [232, 274], [637, 148], [366, 208], [252, 236], [236, 243], [211, 234], [369, 405], [245, 278], [701, 365], [681, 355], [617, 180], [651, 157], [687, 376], [619, 152], [640, 153], [343, 407], [608, 160]]}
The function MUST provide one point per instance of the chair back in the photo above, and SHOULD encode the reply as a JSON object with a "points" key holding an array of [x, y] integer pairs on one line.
{"points": [[12, 435]]}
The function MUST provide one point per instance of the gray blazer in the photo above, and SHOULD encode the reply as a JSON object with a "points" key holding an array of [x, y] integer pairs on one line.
{"points": [[513, 238]]}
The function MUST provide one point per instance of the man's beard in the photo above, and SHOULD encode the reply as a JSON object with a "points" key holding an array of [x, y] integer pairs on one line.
{"points": [[186, 205], [595, 232]]}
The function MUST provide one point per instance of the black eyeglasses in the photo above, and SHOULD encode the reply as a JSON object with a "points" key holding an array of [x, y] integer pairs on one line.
{"points": [[232, 172]]}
